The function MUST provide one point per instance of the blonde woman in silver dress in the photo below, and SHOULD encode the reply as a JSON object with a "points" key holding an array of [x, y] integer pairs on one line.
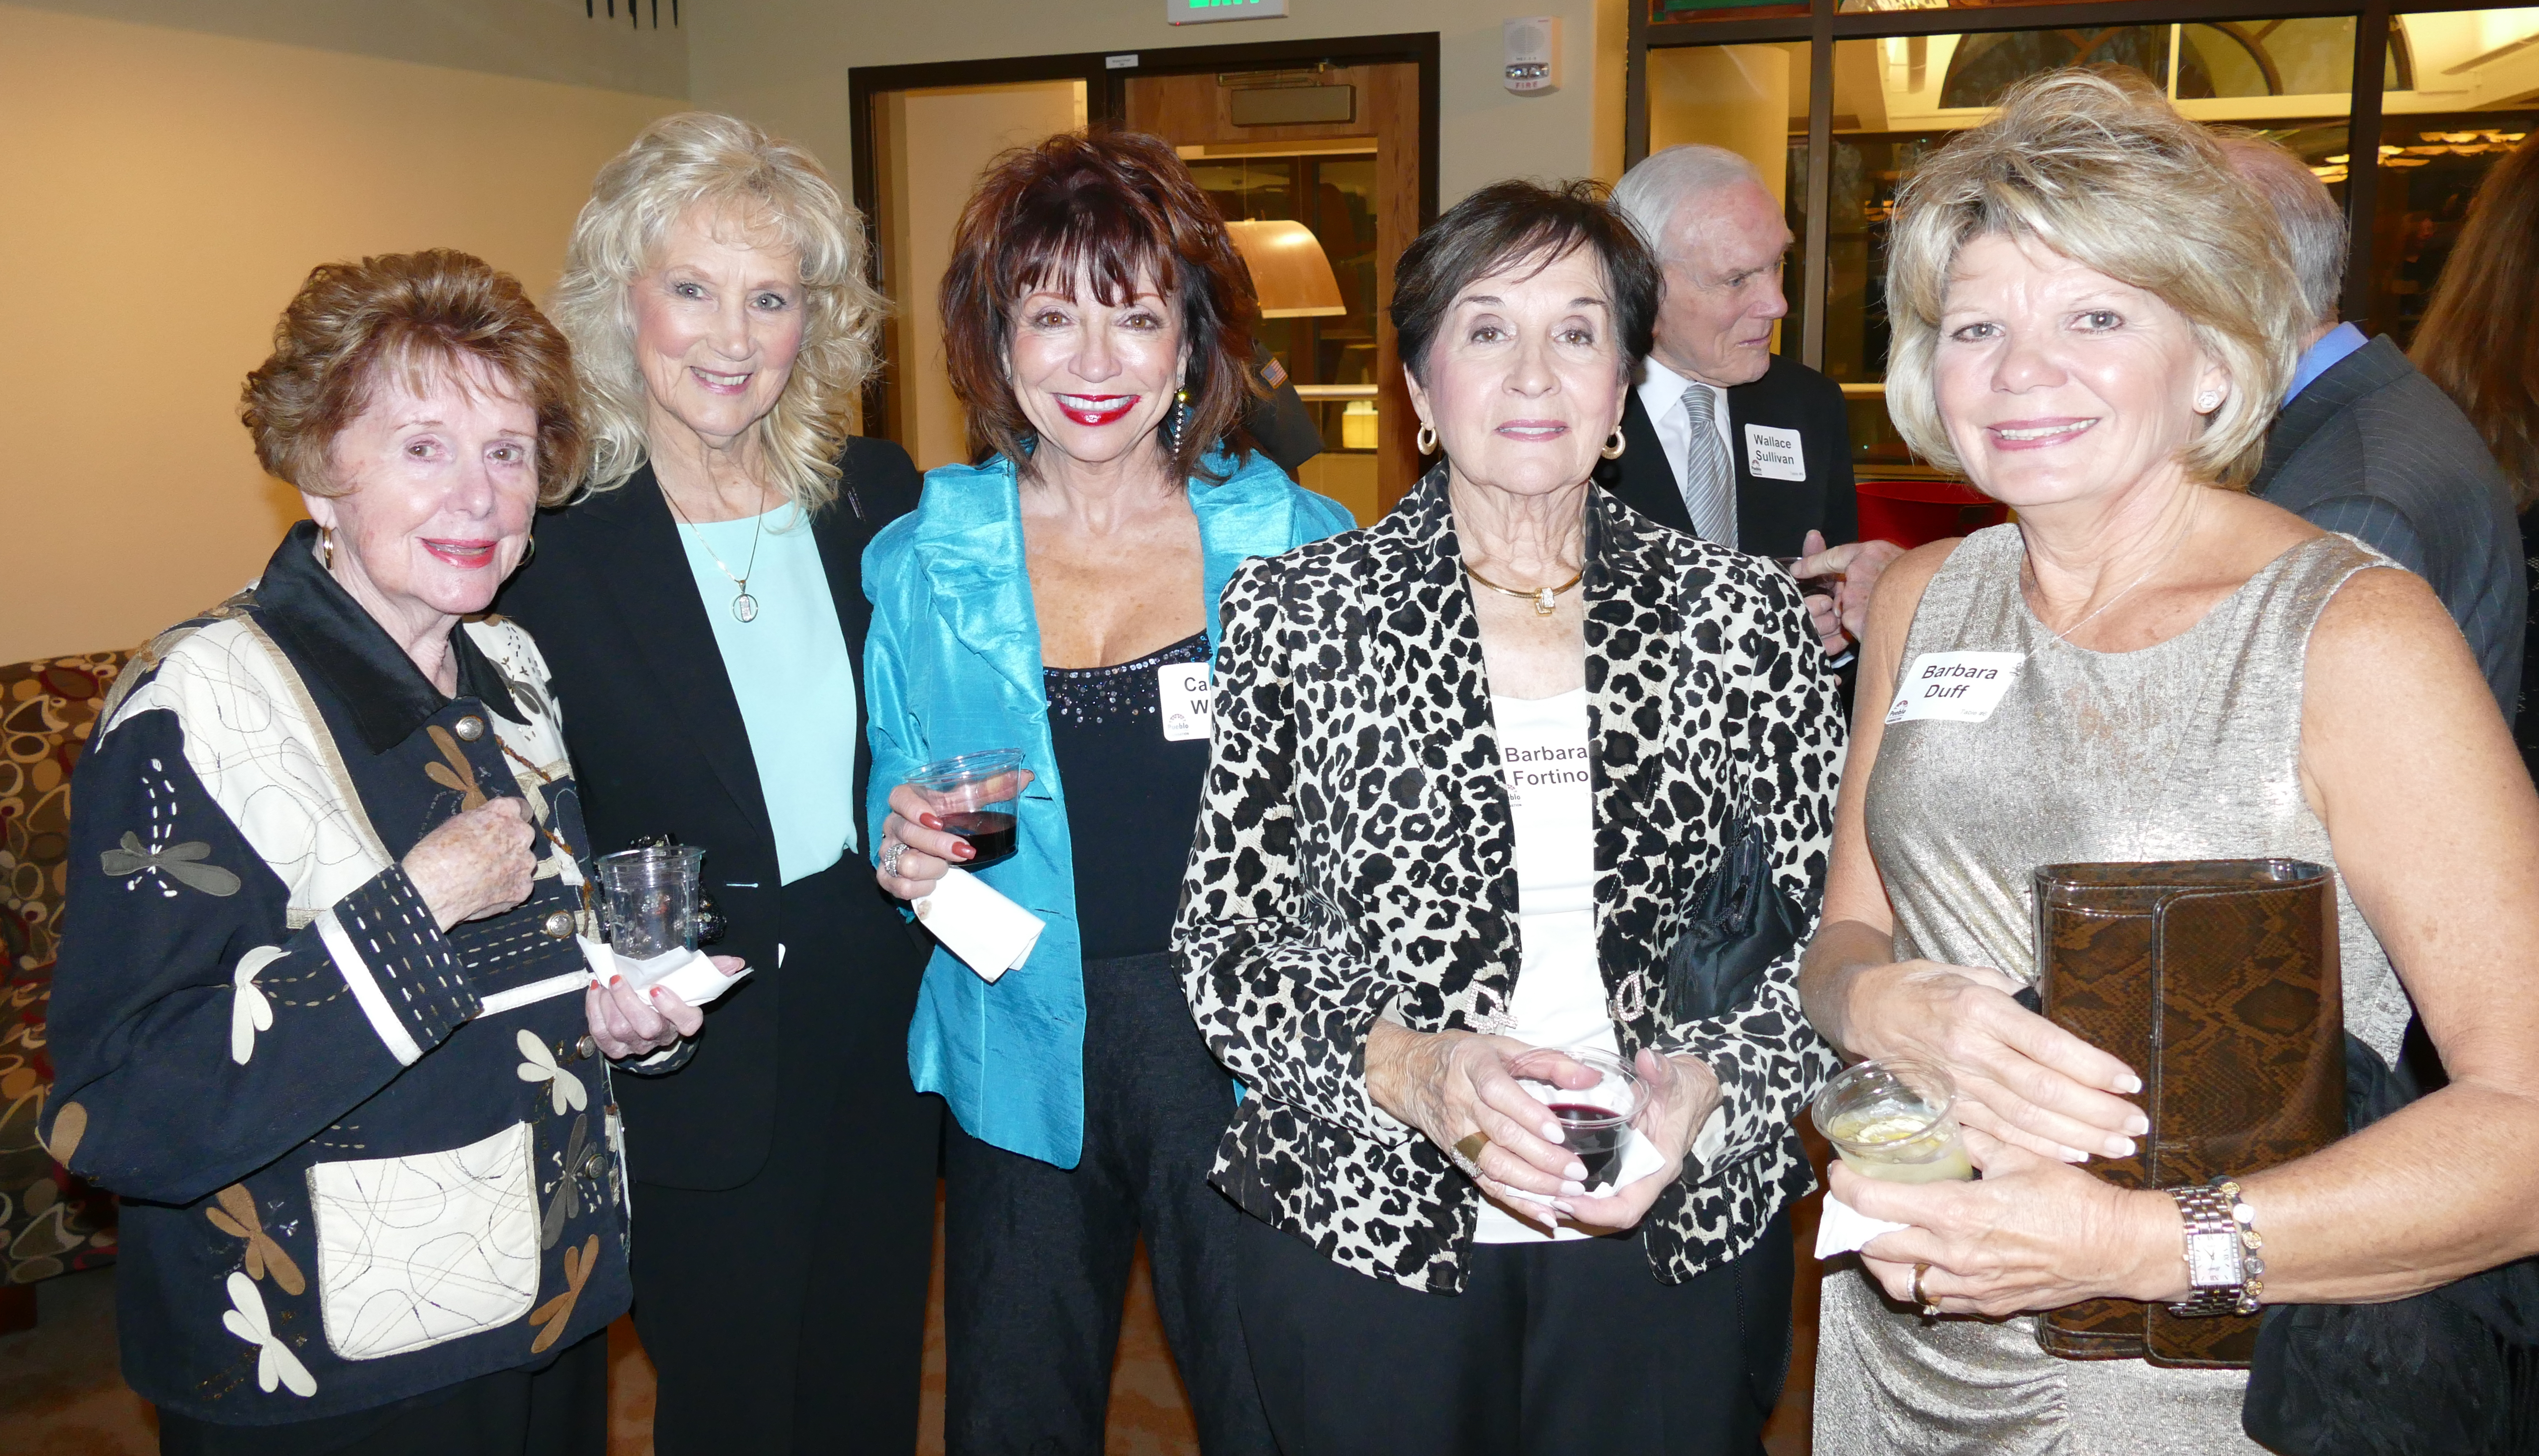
{"points": [[2095, 322]]}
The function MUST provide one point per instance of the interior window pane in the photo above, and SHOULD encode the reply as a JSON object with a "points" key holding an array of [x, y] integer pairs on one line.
{"points": [[1751, 100], [2460, 89]]}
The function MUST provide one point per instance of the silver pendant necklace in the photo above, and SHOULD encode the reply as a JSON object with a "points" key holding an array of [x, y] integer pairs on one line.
{"points": [[743, 606]]}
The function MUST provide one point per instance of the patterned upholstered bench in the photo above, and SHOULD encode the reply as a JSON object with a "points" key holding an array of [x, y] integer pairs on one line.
{"points": [[50, 1222]]}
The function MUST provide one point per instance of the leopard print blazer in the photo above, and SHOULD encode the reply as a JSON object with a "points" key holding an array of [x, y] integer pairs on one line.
{"points": [[1354, 851]]}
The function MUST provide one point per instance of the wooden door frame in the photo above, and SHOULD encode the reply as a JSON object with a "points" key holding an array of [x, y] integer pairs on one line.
{"points": [[1104, 75]]}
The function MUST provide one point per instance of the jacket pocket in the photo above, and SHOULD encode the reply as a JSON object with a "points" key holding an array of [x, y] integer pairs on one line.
{"points": [[415, 1251]]}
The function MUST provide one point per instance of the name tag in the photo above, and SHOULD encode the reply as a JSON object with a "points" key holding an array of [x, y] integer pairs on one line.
{"points": [[1185, 693], [1774, 454], [1954, 688]]}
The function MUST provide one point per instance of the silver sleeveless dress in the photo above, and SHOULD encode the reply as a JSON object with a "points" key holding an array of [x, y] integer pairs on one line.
{"points": [[2189, 749]]}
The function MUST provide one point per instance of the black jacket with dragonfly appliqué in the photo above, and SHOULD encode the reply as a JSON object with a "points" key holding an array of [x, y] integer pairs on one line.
{"points": [[361, 1159]]}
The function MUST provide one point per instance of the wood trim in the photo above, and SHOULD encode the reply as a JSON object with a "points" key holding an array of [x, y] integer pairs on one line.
{"points": [[2362, 182], [1811, 324]]}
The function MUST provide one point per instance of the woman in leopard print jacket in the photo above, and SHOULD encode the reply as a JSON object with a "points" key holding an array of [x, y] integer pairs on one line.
{"points": [[1420, 768]]}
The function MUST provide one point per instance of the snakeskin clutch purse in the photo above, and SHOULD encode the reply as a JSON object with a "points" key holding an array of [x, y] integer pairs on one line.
{"points": [[2217, 980]]}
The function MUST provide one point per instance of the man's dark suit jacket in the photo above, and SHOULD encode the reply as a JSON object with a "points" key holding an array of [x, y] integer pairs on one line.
{"points": [[2378, 451], [657, 744], [1773, 516]]}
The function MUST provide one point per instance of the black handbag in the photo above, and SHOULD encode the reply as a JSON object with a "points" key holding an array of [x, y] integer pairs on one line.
{"points": [[2453, 1371], [1742, 922]]}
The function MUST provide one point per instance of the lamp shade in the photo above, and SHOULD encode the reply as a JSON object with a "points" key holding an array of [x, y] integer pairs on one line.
{"points": [[1289, 269]]}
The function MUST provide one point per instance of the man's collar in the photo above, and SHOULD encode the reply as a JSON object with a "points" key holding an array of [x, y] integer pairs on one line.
{"points": [[336, 638], [2332, 349], [1660, 386]]}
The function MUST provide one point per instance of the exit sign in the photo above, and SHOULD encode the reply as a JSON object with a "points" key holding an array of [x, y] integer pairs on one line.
{"points": [[1199, 12]]}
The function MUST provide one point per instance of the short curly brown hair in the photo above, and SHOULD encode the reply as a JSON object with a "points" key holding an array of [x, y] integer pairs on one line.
{"points": [[409, 313], [1117, 206]]}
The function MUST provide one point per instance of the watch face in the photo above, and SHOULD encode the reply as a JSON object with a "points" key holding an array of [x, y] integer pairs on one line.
{"points": [[2211, 1260]]}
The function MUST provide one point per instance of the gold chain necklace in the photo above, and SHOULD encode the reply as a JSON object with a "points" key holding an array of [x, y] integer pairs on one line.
{"points": [[1540, 597], [745, 606]]}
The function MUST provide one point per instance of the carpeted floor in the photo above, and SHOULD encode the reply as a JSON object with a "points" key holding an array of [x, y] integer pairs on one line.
{"points": [[60, 1393]]}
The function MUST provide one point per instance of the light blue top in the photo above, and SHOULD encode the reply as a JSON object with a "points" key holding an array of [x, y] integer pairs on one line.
{"points": [[790, 673], [952, 664], [2331, 348]]}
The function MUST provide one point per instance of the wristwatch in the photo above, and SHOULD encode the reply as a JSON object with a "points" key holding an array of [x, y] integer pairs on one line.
{"points": [[2221, 1264]]}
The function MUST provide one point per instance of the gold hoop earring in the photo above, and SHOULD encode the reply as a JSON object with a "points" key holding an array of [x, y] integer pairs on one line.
{"points": [[325, 548], [531, 554], [1615, 445], [1427, 439]]}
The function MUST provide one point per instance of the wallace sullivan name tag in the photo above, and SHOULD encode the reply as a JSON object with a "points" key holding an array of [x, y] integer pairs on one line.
{"points": [[1774, 454], [1954, 688], [1184, 693]]}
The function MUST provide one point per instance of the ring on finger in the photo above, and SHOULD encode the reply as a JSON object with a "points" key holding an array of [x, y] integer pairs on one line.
{"points": [[1930, 1306], [1470, 1147], [891, 849]]}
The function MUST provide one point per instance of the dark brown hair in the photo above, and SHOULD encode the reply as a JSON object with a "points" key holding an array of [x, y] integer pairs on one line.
{"points": [[353, 324], [1511, 223], [2477, 340], [1116, 207]]}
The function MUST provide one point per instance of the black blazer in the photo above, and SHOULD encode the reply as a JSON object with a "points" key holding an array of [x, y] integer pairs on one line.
{"points": [[1773, 516], [2376, 450], [657, 743]]}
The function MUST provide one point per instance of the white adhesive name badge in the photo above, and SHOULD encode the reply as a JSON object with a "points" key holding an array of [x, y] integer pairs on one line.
{"points": [[1183, 691], [1954, 688], [1774, 454]]}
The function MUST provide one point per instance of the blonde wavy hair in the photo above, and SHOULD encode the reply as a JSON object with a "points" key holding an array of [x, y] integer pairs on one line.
{"points": [[699, 160], [2098, 167]]}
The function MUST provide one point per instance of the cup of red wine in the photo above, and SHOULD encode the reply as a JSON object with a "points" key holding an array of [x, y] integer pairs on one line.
{"points": [[972, 795], [1594, 1094]]}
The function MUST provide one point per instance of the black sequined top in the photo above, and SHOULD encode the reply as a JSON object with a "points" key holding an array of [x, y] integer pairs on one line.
{"points": [[1131, 797]]}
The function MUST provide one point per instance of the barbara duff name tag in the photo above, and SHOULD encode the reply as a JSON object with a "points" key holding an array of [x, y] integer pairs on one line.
{"points": [[1954, 688], [1774, 454], [1184, 693]]}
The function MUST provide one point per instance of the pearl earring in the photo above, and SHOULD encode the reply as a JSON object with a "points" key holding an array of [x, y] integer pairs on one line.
{"points": [[2208, 400]]}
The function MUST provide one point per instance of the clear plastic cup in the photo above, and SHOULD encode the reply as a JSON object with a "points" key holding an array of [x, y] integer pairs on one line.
{"points": [[973, 796], [1895, 1121], [1595, 1119], [649, 897]]}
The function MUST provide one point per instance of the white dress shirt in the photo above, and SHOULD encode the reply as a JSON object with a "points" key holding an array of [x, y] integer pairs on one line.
{"points": [[1662, 396]]}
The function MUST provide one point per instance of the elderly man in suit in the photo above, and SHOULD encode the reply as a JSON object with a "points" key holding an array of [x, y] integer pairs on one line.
{"points": [[2368, 446], [1722, 437]]}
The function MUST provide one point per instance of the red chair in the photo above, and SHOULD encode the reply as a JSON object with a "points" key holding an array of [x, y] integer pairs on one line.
{"points": [[1916, 512]]}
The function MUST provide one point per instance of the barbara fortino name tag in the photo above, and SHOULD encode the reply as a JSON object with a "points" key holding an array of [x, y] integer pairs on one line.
{"points": [[1774, 454], [1954, 688], [1187, 699]]}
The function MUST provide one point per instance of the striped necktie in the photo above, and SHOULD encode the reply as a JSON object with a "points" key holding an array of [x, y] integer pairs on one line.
{"points": [[1709, 481]]}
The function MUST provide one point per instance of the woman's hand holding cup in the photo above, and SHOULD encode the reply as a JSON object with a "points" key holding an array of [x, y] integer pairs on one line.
{"points": [[1458, 1088], [916, 848], [2019, 1077], [1679, 1095]]}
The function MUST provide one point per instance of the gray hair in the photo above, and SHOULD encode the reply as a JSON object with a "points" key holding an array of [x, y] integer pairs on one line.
{"points": [[1653, 192], [698, 161], [2102, 169], [2313, 225]]}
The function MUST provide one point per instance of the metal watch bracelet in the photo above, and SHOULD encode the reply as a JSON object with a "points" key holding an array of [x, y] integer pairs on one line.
{"points": [[2222, 1240]]}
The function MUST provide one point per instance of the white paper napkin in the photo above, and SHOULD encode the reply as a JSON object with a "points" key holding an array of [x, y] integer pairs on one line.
{"points": [[990, 933], [1843, 1228], [690, 975]]}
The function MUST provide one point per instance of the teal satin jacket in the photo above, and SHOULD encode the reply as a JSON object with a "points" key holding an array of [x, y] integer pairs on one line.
{"points": [[953, 665]]}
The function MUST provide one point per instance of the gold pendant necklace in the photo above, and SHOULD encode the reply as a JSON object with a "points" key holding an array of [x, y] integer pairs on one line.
{"points": [[1540, 597], [745, 606]]}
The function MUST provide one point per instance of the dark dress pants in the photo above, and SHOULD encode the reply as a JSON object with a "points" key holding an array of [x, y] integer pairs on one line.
{"points": [[1037, 1258], [789, 1314], [1550, 1350], [559, 1411]]}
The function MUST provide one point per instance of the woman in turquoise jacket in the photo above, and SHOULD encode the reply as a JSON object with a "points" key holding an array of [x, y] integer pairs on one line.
{"points": [[1059, 599]]}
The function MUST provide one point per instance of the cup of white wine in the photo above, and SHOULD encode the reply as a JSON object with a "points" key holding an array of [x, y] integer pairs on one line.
{"points": [[1895, 1121]]}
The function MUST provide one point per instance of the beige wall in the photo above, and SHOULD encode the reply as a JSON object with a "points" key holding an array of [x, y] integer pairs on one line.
{"points": [[931, 146], [785, 63], [166, 191]]}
